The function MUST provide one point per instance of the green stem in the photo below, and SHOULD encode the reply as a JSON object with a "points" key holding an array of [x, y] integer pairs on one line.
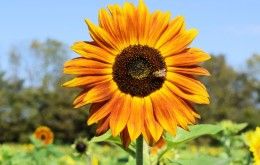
{"points": [[139, 150]]}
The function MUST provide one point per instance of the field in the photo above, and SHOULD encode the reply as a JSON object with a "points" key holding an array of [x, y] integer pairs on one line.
{"points": [[221, 146]]}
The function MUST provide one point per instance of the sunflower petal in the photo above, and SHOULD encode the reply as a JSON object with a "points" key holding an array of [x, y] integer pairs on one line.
{"points": [[153, 126], [91, 51], [87, 81], [136, 120], [104, 110], [147, 135], [125, 138], [120, 114], [179, 43], [176, 109], [194, 70], [162, 112], [103, 125], [103, 38], [159, 24], [87, 71], [173, 29], [188, 84], [88, 63], [188, 57], [97, 94], [191, 97]]}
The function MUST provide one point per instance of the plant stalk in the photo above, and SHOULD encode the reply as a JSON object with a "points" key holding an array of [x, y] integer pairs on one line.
{"points": [[139, 150]]}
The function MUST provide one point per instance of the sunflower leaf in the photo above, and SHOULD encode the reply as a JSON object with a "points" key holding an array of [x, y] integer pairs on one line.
{"points": [[194, 132], [107, 137], [204, 159], [183, 136]]}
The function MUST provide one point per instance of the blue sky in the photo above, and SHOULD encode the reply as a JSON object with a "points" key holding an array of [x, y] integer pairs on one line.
{"points": [[231, 27]]}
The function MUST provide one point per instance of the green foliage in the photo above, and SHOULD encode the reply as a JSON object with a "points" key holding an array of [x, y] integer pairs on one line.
{"points": [[234, 94], [195, 131], [26, 104]]}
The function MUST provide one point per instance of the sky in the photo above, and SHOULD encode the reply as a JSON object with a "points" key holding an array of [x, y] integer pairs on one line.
{"points": [[230, 27]]}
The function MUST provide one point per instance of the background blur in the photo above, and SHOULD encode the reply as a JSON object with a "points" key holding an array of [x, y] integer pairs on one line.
{"points": [[35, 37]]}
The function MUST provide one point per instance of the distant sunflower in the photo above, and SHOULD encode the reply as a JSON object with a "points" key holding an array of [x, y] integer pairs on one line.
{"points": [[138, 73], [44, 134], [253, 140]]}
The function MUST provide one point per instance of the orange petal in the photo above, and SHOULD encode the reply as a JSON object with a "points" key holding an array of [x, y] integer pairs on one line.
{"points": [[194, 70], [120, 114], [88, 63], [176, 109], [87, 71], [103, 38], [159, 23], [99, 93], [125, 138], [131, 17], [103, 125], [142, 19], [90, 50], [136, 119], [190, 56], [120, 26], [178, 43], [172, 30], [104, 110], [80, 97], [147, 135], [188, 84], [163, 114], [87, 81], [153, 126], [189, 96]]}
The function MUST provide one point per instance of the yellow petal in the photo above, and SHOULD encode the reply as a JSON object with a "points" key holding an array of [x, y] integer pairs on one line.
{"points": [[103, 38], [178, 43], [90, 50], [190, 56], [87, 71], [84, 62], [97, 94], [87, 81], [120, 114], [194, 70], [136, 119], [163, 114], [153, 126], [104, 110], [172, 30], [191, 97], [188, 84], [159, 23]]}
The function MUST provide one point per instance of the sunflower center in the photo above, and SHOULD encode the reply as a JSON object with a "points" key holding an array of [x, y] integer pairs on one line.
{"points": [[42, 137], [139, 70]]}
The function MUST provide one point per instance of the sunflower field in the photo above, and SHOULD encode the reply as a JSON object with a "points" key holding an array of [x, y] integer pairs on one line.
{"points": [[137, 91]]}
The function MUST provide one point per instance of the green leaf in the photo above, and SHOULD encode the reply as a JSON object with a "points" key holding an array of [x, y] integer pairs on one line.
{"points": [[203, 159], [194, 132], [107, 137]]}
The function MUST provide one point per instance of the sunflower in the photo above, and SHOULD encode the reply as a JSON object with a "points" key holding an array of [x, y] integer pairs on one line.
{"points": [[253, 140], [139, 73], [44, 134]]}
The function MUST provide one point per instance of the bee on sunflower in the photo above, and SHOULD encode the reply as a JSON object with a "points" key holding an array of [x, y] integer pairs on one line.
{"points": [[44, 134], [139, 73]]}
